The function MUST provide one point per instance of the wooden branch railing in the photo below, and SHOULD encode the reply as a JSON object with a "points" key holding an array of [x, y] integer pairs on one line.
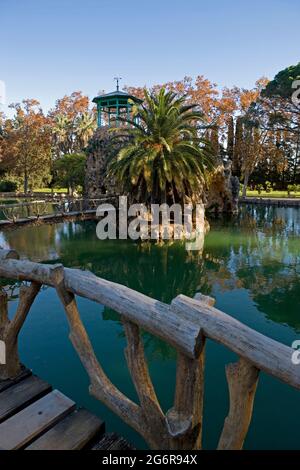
{"points": [[185, 324], [48, 207]]}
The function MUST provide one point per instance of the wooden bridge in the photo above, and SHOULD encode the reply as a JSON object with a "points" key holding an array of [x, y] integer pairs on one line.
{"points": [[185, 324], [35, 417], [47, 210]]}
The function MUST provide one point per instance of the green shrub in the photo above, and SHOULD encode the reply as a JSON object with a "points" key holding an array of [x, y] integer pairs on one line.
{"points": [[8, 186], [69, 171], [292, 188], [259, 188], [268, 186]]}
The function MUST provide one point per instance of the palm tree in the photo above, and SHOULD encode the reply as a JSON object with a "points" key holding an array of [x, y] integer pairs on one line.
{"points": [[85, 126], [61, 130], [162, 158]]}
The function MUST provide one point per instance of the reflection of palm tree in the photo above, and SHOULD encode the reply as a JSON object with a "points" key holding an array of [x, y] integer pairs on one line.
{"points": [[265, 261], [162, 272]]}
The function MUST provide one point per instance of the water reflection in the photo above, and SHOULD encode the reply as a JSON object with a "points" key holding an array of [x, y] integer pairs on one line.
{"points": [[250, 263], [261, 254], [258, 251], [35, 242]]}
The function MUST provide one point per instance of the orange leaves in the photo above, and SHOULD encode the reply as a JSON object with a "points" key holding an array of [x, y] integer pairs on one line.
{"points": [[217, 105], [71, 105], [27, 141]]}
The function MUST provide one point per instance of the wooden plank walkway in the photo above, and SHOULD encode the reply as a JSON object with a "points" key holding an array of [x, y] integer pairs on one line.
{"points": [[35, 417]]}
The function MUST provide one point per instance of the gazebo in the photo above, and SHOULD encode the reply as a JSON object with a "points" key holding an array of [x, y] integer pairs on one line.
{"points": [[114, 105]]}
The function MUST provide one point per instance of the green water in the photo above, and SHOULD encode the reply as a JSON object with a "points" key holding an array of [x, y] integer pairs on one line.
{"points": [[250, 264]]}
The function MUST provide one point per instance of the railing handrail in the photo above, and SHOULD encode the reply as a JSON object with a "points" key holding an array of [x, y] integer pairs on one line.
{"points": [[38, 209], [184, 324], [22, 204], [53, 201], [181, 324]]}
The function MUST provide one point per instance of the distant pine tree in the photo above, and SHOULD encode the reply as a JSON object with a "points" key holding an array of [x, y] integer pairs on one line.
{"points": [[238, 148], [230, 138]]}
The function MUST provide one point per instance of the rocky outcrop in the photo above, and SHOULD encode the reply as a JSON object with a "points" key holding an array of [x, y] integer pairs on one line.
{"points": [[99, 152], [222, 195], [223, 192]]}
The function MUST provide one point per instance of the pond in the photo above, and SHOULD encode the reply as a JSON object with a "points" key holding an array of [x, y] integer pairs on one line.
{"points": [[250, 264]]}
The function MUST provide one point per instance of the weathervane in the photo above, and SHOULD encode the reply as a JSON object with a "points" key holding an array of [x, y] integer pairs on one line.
{"points": [[117, 80]]}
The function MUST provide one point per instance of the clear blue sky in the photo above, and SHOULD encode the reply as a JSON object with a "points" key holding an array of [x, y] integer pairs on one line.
{"points": [[53, 47]]}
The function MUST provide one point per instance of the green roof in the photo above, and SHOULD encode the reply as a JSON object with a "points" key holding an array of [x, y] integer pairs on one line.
{"points": [[117, 94]]}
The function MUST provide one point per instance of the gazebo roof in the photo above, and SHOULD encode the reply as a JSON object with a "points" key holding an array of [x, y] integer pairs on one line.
{"points": [[117, 94]]}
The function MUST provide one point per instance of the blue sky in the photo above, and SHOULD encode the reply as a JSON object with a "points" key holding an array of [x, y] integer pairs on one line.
{"points": [[50, 48]]}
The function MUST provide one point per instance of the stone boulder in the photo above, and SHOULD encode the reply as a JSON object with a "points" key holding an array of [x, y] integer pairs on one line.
{"points": [[99, 152]]}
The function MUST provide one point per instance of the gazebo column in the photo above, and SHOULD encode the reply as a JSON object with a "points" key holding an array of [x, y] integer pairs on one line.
{"points": [[117, 113], [128, 112], [99, 123]]}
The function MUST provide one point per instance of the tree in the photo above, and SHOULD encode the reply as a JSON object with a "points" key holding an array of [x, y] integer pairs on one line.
{"points": [[69, 171], [238, 147], [279, 103], [27, 149], [230, 137], [163, 158], [259, 145], [84, 127], [72, 124], [62, 134], [282, 84]]}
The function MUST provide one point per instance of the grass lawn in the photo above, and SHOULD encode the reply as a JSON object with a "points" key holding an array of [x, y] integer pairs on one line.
{"points": [[281, 194]]}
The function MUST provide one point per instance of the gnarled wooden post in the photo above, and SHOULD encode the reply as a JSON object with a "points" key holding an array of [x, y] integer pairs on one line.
{"points": [[186, 416], [153, 416], [9, 330], [181, 427], [101, 387], [242, 378], [185, 324]]}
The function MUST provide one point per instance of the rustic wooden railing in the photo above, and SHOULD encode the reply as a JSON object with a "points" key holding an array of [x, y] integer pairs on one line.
{"points": [[185, 324], [63, 206]]}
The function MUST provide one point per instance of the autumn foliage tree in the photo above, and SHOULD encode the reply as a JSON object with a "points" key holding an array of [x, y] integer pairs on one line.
{"points": [[72, 124], [257, 129], [31, 142], [26, 152]]}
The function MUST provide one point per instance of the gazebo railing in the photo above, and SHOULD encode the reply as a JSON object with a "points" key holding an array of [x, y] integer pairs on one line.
{"points": [[185, 324]]}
